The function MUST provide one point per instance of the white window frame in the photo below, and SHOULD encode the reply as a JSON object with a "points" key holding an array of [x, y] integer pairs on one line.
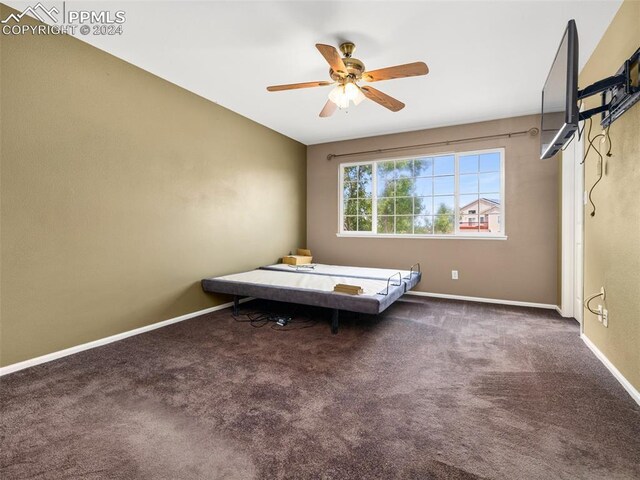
{"points": [[457, 234]]}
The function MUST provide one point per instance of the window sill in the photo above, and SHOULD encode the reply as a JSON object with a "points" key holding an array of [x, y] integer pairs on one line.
{"points": [[424, 237]]}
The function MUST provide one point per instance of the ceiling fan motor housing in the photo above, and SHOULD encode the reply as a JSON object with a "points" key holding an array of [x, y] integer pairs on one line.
{"points": [[355, 69]]}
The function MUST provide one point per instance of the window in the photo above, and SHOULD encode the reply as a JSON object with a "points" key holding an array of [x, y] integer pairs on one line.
{"points": [[453, 195], [357, 193]]}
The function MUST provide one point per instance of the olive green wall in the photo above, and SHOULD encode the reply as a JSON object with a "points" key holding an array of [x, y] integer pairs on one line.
{"points": [[521, 268], [120, 191], [612, 237]]}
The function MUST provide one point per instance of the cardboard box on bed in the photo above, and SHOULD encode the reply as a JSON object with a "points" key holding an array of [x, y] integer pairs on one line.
{"points": [[303, 257], [296, 259], [350, 289]]}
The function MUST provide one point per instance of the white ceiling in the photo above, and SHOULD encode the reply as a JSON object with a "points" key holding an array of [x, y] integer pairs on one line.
{"points": [[487, 59]]}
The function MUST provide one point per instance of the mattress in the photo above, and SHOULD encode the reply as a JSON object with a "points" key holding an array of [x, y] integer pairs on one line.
{"points": [[314, 286]]}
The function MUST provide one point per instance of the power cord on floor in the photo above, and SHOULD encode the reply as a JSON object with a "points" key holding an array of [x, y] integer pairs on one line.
{"points": [[295, 320]]}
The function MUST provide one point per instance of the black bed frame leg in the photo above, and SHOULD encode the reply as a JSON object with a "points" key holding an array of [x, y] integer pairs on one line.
{"points": [[236, 304], [335, 318]]}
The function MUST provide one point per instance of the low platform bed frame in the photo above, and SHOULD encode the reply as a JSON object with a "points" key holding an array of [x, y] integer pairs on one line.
{"points": [[313, 285]]}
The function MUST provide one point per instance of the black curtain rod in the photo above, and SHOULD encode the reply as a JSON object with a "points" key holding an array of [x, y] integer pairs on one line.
{"points": [[533, 131]]}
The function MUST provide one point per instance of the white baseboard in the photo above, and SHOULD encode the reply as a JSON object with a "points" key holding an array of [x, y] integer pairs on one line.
{"points": [[484, 300], [565, 315], [631, 390], [113, 338]]}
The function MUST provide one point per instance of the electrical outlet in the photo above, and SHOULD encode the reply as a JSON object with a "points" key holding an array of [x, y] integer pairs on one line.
{"points": [[605, 317], [454, 274], [600, 313]]}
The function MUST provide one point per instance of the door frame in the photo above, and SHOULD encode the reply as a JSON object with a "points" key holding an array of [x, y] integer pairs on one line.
{"points": [[578, 218], [571, 230]]}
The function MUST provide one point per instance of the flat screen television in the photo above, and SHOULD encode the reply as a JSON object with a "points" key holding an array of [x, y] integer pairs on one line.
{"points": [[560, 113]]}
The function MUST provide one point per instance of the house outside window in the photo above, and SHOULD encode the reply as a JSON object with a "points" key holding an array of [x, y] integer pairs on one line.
{"points": [[442, 196]]}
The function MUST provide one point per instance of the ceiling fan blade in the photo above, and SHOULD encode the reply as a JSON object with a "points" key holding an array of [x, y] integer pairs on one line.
{"points": [[333, 58], [382, 98], [293, 86], [399, 71], [328, 109]]}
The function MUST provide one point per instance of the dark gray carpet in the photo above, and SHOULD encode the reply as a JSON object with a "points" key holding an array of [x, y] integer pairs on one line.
{"points": [[432, 389]]}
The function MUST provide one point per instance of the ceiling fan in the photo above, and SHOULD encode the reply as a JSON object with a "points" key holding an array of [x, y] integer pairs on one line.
{"points": [[347, 71]]}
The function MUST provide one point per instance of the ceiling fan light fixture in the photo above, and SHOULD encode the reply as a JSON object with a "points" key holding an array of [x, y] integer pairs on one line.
{"points": [[339, 96], [353, 93], [345, 93]]}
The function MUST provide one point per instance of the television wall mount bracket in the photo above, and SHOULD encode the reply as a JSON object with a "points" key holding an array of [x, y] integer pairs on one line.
{"points": [[630, 91]]}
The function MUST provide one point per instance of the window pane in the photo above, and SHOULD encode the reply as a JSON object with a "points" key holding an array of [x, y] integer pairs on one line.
{"points": [[469, 204], [364, 223], [488, 215], [350, 224], [443, 205], [443, 185], [385, 224], [386, 206], [404, 168], [350, 190], [490, 162], [423, 167], [386, 187], [351, 207], [468, 184], [492, 224], [364, 186], [424, 186], [468, 164], [489, 206], [491, 201], [404, 206], [364, 207], [468, 221], [351, 174], [405, 187], [444, 165], [404, 224], [489, 182], [386, 169], [423, 225], [361, 188], [423, 205], [443, 224], [365, 172], [365, 190]]}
